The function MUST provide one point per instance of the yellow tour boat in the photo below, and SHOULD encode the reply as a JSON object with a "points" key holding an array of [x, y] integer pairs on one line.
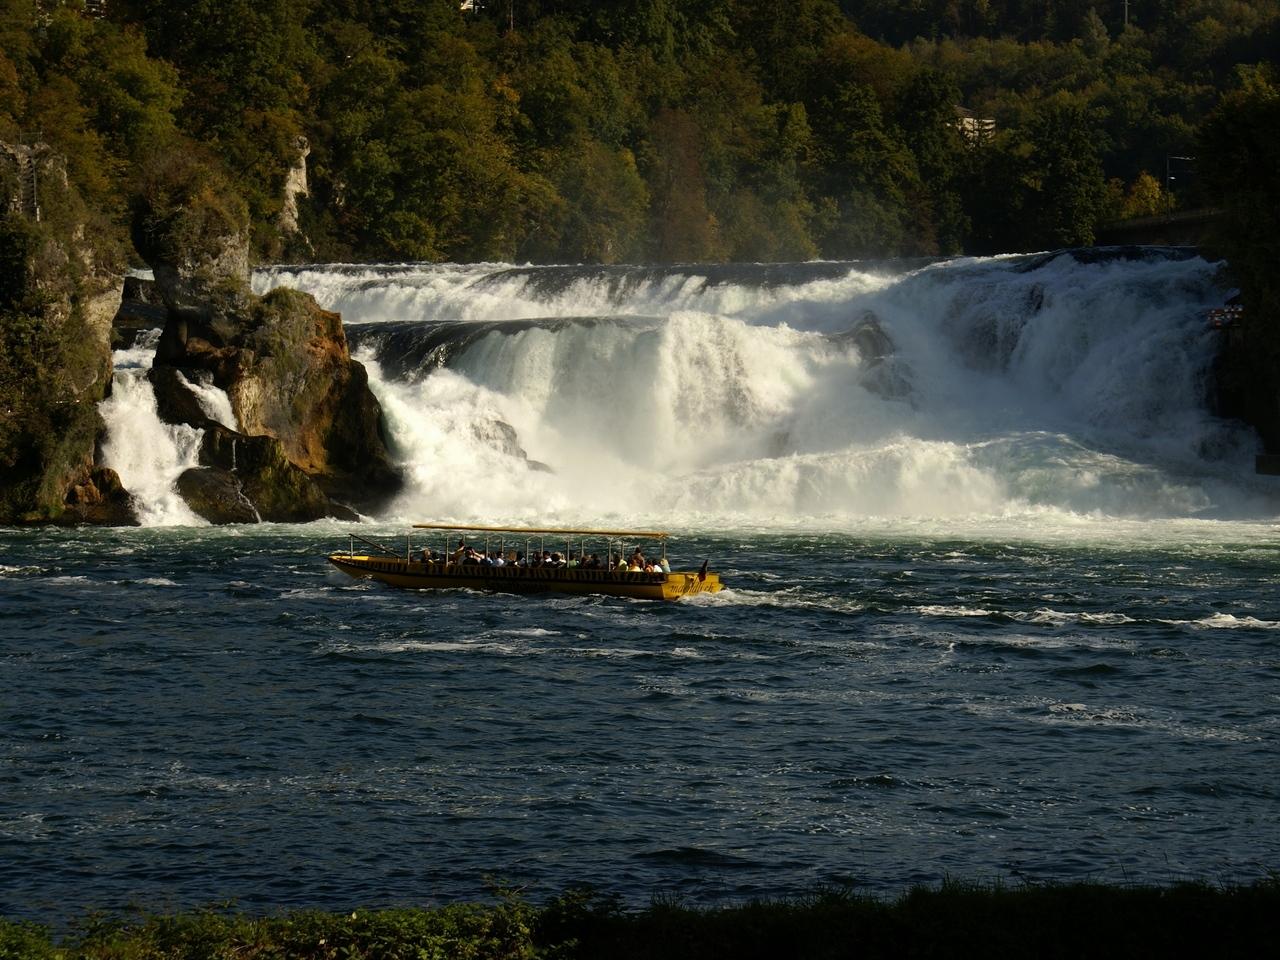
{"points": [[527, 565]]}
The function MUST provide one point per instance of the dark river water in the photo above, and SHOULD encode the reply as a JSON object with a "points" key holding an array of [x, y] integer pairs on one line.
{"points": [[192, 715]]}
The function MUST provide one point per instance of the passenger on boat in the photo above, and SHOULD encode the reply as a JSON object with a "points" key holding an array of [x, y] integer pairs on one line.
{"points": [[520, 560], [622, 564]]}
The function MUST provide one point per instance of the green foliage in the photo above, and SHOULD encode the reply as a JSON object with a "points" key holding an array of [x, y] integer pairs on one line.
{"points": [[1053, 921], [1063, 175], [461, 932], [1239, 153], [1050, 178], [1145, 198], [26, 941], [188, 220], [585, 130]]}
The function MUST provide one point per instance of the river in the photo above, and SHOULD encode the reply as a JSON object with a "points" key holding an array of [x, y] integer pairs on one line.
{"points": [[1000, 605]]}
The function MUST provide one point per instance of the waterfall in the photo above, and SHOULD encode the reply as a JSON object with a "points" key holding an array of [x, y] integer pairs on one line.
{"points": [[213, 400], [148, 454], [1069, 384], [1072, 384]]}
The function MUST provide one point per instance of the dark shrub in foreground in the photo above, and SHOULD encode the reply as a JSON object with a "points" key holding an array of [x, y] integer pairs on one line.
{"points": [[1083, 920]]}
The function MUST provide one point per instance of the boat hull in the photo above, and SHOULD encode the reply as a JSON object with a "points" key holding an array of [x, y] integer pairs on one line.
{"points": [[414, 575]]}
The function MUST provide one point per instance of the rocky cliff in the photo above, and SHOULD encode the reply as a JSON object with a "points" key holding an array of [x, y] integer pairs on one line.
{"points": [[310, 440], [58, 293]]}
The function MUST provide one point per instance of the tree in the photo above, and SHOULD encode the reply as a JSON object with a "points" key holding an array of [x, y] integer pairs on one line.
{"points": [[683, 227], [1239, 163], [1063, 175]]}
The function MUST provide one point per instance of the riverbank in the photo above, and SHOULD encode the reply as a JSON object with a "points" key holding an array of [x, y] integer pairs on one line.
{"points": [[1077, 920]]}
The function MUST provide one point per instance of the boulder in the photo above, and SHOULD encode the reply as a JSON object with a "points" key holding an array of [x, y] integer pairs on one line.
{"points": [[866, 334], [882, 372], [499, 435], [175, 402], [296, 382], [98, 498], [502, 436], [215, 495], [277, 488], [286, 369]]}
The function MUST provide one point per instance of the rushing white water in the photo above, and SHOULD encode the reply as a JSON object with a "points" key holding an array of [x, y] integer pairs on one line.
{"points": [[1028, 386], [148, 454], [213, 400]]}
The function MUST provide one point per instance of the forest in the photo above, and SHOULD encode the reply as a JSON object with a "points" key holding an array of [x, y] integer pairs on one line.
{"points": [[650, 130]]}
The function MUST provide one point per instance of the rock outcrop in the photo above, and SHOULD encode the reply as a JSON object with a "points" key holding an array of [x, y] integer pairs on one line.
{"points": [[883, 373], [295, 186], [141, 309], [278, 489], [97, 496], [310, 441], [59, 290]]}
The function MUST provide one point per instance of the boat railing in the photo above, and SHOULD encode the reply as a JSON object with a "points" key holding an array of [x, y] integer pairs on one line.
{"points": [[371, 543]]}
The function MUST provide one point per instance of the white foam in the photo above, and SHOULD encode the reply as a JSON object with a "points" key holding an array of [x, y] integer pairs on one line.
{"points": [[149, 455], [943, 610], [213, 401], [1227, 621], [10, 570], [1063, 396]]}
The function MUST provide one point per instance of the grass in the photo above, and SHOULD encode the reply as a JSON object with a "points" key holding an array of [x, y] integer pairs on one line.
{"points": [[954, 920]]}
